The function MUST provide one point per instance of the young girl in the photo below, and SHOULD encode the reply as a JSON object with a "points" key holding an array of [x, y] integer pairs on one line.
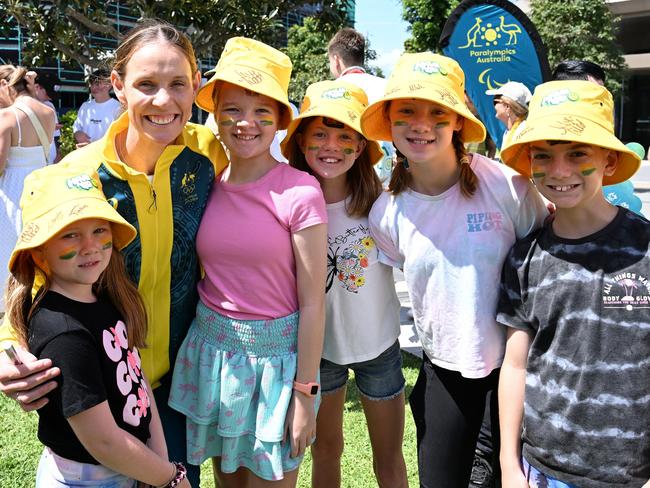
{"points": [[101, 426], [362, 314], [246, 375], [448, 220]]}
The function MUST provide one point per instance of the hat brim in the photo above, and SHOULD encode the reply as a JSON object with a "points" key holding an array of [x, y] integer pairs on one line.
{"points": [[289, 144], [205, 100], [41, 229], [570, 128], [375, 123]]}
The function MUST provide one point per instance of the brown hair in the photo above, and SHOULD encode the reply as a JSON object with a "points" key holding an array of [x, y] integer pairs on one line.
{"points": [[518, 109], [15, 77], [113, 283], [349, 45], [401, 178], [149, 32], [361, 178]]}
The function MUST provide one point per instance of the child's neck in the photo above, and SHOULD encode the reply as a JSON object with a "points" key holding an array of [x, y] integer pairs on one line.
{"points": [[335, 189], [435, 177], [576, 223], [241, 171], [80, 293]]}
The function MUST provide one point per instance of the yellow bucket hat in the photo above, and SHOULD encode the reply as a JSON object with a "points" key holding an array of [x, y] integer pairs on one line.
{"points": [[423, 76], [255, 66], [55, 197], [576, 111], [338, 100]]}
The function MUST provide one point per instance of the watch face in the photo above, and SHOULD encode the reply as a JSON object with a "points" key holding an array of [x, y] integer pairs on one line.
{"points": [[314, 390]]}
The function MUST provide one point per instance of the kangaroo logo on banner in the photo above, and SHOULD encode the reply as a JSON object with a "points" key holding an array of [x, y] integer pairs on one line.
{"points": [[494, 42]]}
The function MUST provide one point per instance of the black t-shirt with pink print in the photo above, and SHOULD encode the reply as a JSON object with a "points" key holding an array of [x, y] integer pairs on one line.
{"points": [[88, 342]]}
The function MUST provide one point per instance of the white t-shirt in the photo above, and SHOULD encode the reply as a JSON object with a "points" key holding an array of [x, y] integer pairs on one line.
{"points": [[452, 250], [362, 315], [94, 118]]}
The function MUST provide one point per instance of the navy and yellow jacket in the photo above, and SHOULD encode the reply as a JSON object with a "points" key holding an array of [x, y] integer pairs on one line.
{"points": [[166, 211]]}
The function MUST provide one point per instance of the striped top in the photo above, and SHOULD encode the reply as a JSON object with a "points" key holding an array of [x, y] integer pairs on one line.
{"points": [[587, 302]]}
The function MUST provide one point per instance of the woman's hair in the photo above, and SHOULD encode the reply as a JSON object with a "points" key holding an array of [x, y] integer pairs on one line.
{"points": [[361, 178], [112, 283], [401, 178], [149, 32], [518, 109], [15, 77]]}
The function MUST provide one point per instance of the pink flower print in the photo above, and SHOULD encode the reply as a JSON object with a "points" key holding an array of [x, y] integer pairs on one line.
{"points": [[116, 338], [133, 362], [288, 330], [229, 354], [240, 421], [191, 345], [199, 453], [221, 337], [229, 413], [250, 380], [364, 262], [210, 405], [186, 363], [143, 401], [191, 427], [187, 388]]}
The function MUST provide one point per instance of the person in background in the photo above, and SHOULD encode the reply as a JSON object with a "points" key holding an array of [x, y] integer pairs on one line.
{"points": [[26, 131], [511, 107], [95, 115], [44, 89], [621, 194], [346, 52]]}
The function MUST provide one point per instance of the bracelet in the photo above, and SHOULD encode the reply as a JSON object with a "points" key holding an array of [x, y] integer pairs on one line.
{"points": [[180, 475]]}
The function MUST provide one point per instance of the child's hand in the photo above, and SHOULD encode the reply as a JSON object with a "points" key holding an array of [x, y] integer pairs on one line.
{"points": [[300, 424], [27, 383], [513, 478]]}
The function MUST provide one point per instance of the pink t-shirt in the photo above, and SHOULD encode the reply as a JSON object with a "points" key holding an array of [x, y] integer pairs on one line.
{"points": [[244, 243]]}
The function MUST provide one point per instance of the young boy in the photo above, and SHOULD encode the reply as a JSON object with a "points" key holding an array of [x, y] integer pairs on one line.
{"points": [[576, 300]]}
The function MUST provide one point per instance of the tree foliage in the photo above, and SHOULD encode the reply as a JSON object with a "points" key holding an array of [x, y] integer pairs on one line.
{"points": [[580, 29], [426, 19], [62, 29]]}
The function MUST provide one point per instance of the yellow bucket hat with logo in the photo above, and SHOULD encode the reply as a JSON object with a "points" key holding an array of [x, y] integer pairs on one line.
{"points": [[337, 100], [254, 66], [59, 195], [423, 76], [576, 111]]}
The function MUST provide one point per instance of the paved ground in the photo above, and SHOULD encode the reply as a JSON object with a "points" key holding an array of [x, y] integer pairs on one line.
{"points": [[408, 338]]}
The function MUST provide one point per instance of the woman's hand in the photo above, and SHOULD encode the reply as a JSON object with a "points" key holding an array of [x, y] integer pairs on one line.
{"points": [[300, 424], [513, 477]]}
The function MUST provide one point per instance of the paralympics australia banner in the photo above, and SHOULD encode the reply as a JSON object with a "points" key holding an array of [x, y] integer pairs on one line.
{"points": [[494, 42]]}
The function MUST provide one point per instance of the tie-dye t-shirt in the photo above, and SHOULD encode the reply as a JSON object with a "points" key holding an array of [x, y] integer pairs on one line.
{"points": [[587, 302]]}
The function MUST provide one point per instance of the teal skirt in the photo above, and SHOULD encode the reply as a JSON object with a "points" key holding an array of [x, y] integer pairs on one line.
{"points": [[233, 380]]}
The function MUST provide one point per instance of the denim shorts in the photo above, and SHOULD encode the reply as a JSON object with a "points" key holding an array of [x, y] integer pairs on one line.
{"points": [[380, 378]]}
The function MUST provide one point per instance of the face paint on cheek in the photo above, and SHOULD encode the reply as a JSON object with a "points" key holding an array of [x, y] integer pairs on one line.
{"points": [[313, 148], [107, 245], [400, 123], [226, 122], [68, 254], [539, 174], [444, 123], [348, 150], [266, 122], [586, 171]]}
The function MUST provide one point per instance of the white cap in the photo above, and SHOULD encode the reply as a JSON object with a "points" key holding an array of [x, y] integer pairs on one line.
{"points": [[515, 91]]}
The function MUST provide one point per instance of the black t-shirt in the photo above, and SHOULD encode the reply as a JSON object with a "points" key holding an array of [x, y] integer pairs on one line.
{"points": [[88, 342], [587, 302]]}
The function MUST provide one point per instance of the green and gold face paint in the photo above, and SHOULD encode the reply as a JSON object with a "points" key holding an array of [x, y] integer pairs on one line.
{"points": [[538, 174], [313, 148], [266, 122], [68, 254], [586, 170], [400, 123], [348, 150], [227, 122], [107, 245], [444, 123]]}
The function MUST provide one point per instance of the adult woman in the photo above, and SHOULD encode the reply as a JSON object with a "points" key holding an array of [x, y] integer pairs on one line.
{"points": [[157, 170], [26, 127], [511, 107]]}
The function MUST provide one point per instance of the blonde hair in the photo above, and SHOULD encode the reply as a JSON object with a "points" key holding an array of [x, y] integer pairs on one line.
{"points": [[112, 283], [518, 109], [15, 77], [361, 178]]}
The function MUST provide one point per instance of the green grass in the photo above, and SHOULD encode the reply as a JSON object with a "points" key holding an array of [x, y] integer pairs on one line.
{"points": [[20, 449]]}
